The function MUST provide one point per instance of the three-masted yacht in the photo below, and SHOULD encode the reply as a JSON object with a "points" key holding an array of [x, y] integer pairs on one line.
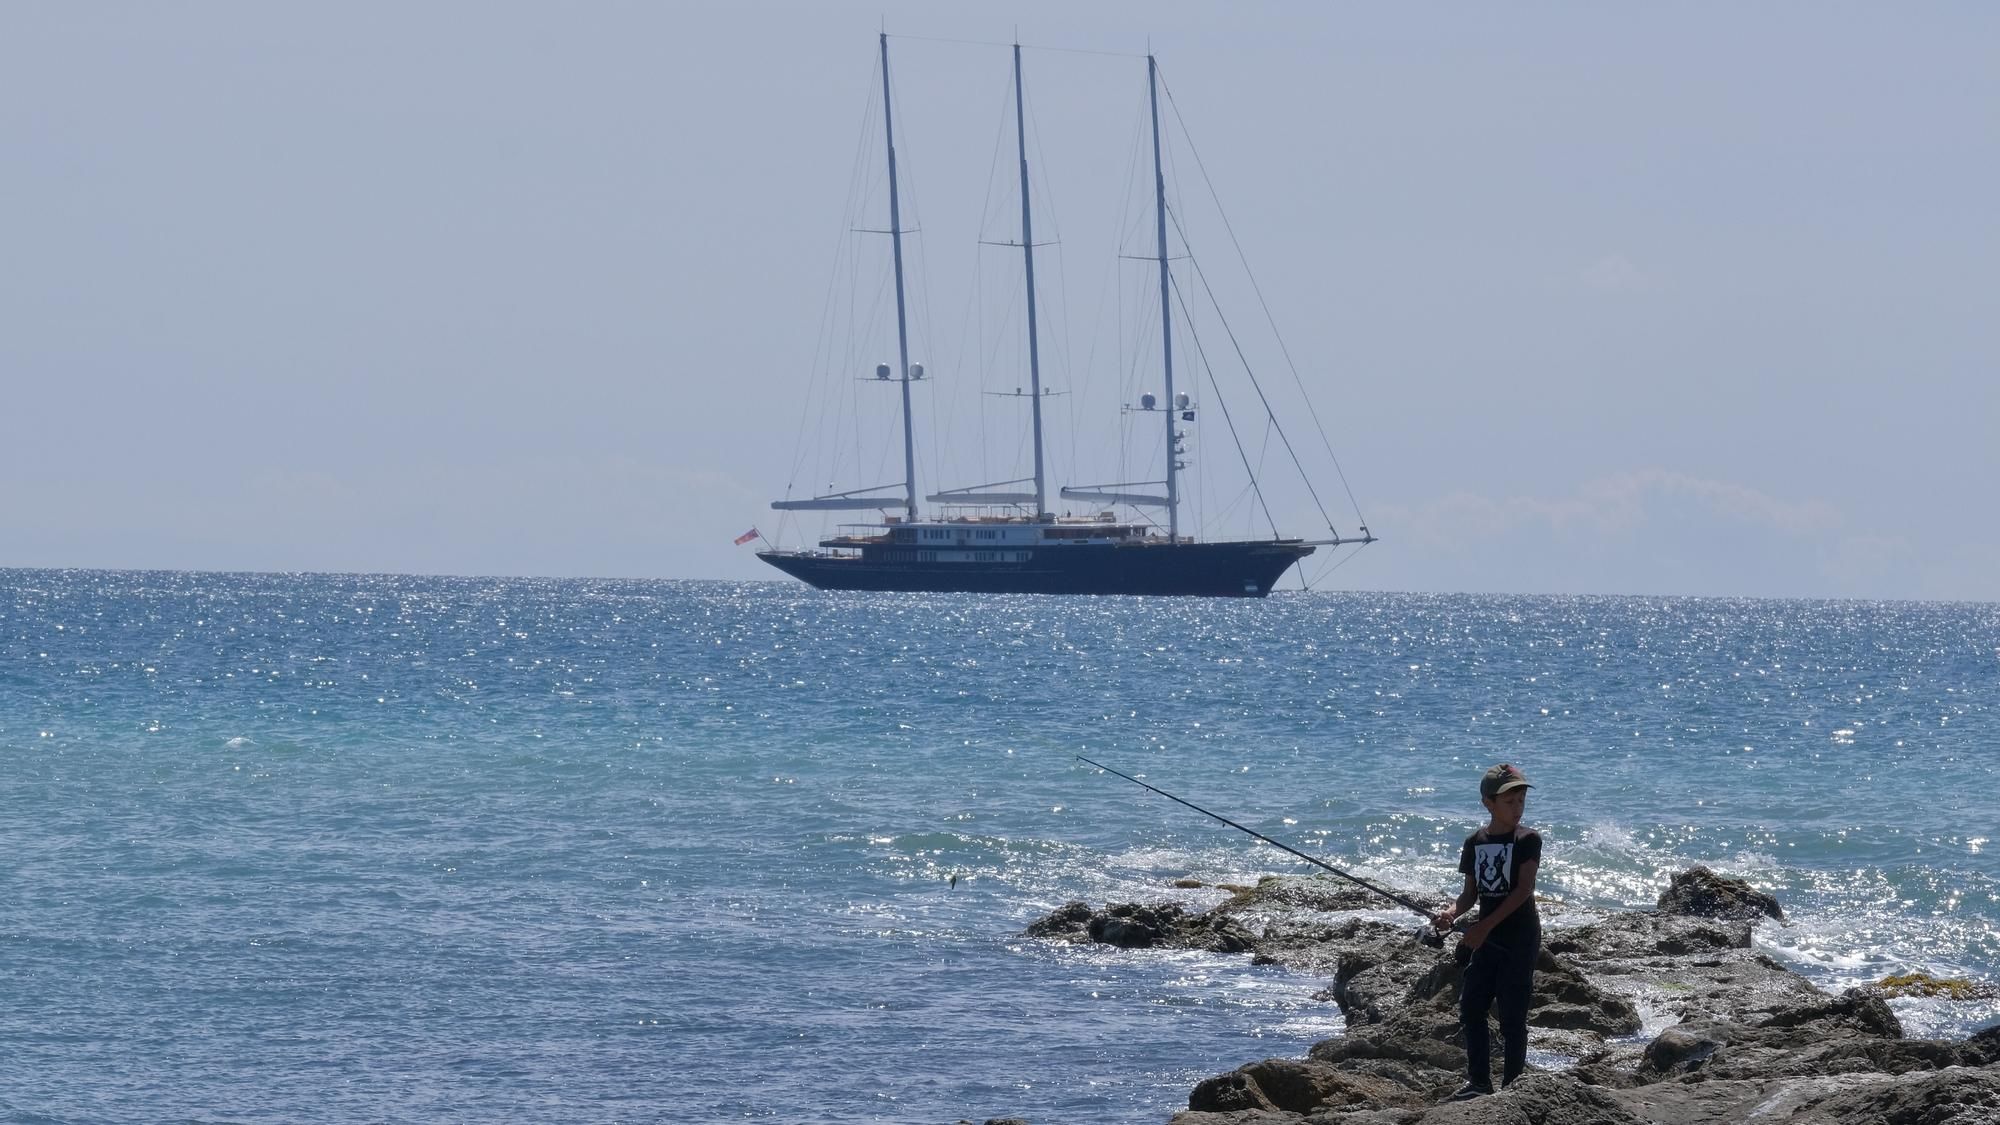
{"points": [[1039, 552]]}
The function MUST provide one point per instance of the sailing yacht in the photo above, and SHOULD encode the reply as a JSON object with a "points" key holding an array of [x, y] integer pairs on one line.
{"points": [[1038, 551]]}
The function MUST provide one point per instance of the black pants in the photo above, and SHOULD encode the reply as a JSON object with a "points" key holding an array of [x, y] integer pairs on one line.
{"points": [[1503, 969]]}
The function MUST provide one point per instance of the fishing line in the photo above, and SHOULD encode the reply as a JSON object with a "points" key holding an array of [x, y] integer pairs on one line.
{"points": [[1399, 899]]}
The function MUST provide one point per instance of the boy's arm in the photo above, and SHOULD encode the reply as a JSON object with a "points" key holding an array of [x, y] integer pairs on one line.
{"points": [[1524, 891], [1444, 918]]}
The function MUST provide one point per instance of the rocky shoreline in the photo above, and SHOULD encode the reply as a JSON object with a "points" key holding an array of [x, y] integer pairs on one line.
{"points": [[1744, 1038]]}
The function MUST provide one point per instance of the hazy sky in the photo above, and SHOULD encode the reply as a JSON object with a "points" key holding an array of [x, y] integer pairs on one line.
{"points": [[1593, 298]]}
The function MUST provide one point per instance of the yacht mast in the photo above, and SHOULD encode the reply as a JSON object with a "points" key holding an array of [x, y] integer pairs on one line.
{"points": [[1028, 252], [1166, 320], [902, 320]]}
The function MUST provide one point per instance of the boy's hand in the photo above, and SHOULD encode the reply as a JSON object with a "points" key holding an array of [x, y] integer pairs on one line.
{"points": [[1443, 919], [1474, 937]]}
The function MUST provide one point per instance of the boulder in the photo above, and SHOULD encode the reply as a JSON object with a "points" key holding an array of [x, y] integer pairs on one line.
{"points": [[1282, 1117], [1679, 1050], [1648, 936], [1718, 1102], [1537, 1099], [1068, 922], [1987, 1039], [1564, 998], [1856, 1009], [1133, 925], [1137, 925], [1854, 1033], [1375, 967], [1959, 1096], [1688, 969], [1702, 893], [1237, 1117], [1299, 1086]]}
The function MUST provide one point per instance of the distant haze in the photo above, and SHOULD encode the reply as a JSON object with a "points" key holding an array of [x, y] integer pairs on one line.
{"points": [[1696, 299]]}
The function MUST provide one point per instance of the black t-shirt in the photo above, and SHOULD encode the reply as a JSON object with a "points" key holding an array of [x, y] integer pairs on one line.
{"points": [[1493, 862]]}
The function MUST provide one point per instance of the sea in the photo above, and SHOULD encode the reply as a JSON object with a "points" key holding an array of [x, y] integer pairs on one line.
{"points": [[302, 847]]}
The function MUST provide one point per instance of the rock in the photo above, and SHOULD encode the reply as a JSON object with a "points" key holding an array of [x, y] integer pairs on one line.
{"points": [[1537, 1099], [1299, 1086], [1375, 967], [1950, 1097], [1854, 1033], [1856, 1008], [1924, 984], [1281, 1117], [1237, 1117], [1564, 998], [1613, 1017], [1216, 933], [1901, 1056], [1642, 936], [1419, 1052], [1618, 1066], [1701, 892], [1679, 1049], [1282, 920], [1190, 883], [1135, 925], [1315, 893], [1716, 1102], [1754, 1041], [1226, 1093], [1065, 922], [1690, 969]]}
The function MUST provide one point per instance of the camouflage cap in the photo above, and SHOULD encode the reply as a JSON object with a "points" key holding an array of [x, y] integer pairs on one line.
{"points": [[1501, 778]]}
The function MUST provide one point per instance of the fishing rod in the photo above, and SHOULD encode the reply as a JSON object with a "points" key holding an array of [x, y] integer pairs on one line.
{"points": [[1400, 900]]}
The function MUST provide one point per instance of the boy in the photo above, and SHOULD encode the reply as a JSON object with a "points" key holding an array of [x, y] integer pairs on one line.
{"points": [[1498, 951]]}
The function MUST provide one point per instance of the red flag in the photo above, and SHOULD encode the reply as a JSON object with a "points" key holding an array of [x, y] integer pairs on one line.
{"points": [[747, 537]]}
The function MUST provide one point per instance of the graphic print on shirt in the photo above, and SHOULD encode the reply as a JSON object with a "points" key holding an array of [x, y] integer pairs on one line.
{"points": [[1493, 868]]}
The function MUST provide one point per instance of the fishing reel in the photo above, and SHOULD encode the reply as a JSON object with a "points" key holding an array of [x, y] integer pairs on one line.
{"points": [[1431, 937]]}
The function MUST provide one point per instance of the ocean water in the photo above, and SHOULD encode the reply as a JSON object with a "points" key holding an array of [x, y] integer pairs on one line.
{"points": [[370, 848]]}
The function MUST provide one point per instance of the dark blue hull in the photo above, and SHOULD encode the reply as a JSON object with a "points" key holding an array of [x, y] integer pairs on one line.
{"points": [[1224, 570]]}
